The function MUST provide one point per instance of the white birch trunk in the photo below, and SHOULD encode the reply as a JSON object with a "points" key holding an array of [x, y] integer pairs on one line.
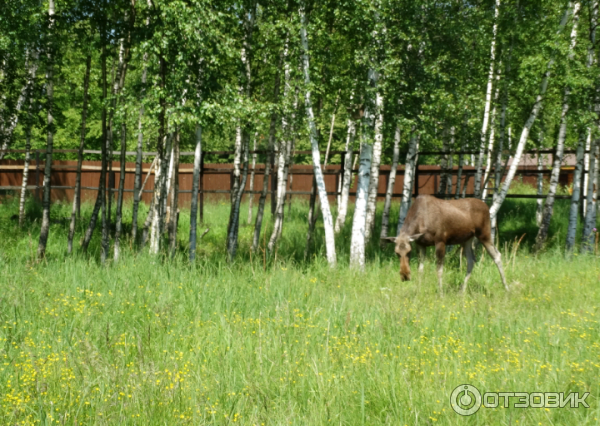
{"points": [[539, 212], [488, 101], [358, 240], [347, 178], [385, 218], [251, 195], [195, 186], [7, 128], [409, 171], [45, 226], [586, 168], [316, 157], [490, 148], [528, 125], [375, 165], [25, 171]]}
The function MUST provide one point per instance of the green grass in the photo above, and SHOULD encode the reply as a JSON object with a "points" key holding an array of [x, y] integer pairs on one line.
{"points": [[155, 341]]}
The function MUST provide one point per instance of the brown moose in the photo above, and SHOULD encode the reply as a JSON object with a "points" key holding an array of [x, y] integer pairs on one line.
{"points": [[434, 222]]}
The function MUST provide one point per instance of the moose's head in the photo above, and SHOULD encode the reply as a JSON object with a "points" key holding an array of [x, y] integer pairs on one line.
{"points": [[403, 249]]}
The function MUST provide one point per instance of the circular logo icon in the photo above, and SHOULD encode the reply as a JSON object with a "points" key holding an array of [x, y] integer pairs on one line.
{"points": [[465, 400]]}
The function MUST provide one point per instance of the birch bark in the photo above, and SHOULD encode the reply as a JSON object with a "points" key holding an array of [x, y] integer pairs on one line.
{"points": [[45, 227], [548, 208], [385, 218], [137, 193], [174, 216], [251, 189], [25, 166], [409, 176], [490, 148], [488, 102], [587, 240], [575, 199], [347, 179], [119, 212], [540, 189], [265, 188], [327, 219], [77, 191], [101, 196], [242, 142], [358, 240], [375, 165], [7, 129], [497, 203], [195, 186]]}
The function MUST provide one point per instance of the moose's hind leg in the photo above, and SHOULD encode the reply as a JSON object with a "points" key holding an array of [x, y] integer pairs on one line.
{"points": [[440, 252], [468, 251], [495, 254]]}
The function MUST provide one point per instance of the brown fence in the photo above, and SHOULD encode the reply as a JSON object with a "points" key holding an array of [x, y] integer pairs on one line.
{"points": [[216, 179]]}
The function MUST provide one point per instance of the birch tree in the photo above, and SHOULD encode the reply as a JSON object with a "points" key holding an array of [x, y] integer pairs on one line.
{"points": [[375, 165], [77, 190], [589, 224], [488, 102], [575, 198], [195, 186], [347, 178], [528, 124], [385, 218], [358, 239], [548, 208], [45, 227], [316, 157], [137, 191], [409, 177]]}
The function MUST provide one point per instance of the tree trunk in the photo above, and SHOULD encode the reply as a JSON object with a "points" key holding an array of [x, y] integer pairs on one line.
{"points": [[497, 203], [316, 157], [119, 213], [444, 170], [575, 199], [488, 102], [347, 178], [137, 191], [586, 169], [285, 153], [548, 208], [100, 198], [490, 148], [77, 192], [234, 217], [357, 244], [45, 228], [174, 217], [25, 167], [269, 160], [409, 176], [385, 218], [540, 190], [195, 186], [7, 129], [162, 149], [589, 226], [375, 165], [251, 189]]}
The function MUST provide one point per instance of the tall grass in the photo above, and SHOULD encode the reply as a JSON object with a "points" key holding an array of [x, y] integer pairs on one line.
{"points": [[281, 340]]}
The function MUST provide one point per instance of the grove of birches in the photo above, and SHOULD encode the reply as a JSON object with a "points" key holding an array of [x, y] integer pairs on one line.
{"points": [[483, 81]]}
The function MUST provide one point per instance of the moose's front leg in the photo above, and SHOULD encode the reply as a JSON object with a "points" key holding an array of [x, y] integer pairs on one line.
{"points": [[440, 253], [421, 251]]}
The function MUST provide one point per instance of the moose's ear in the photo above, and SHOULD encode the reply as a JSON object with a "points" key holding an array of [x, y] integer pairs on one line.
{"points": [[414, 237], [388, 239]]}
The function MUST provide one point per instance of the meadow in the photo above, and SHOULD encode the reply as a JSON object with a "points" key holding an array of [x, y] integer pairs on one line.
{"points": [[286, 341]]}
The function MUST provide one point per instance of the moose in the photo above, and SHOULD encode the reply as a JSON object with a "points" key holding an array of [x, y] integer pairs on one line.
{"points": [[434, 222]]}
